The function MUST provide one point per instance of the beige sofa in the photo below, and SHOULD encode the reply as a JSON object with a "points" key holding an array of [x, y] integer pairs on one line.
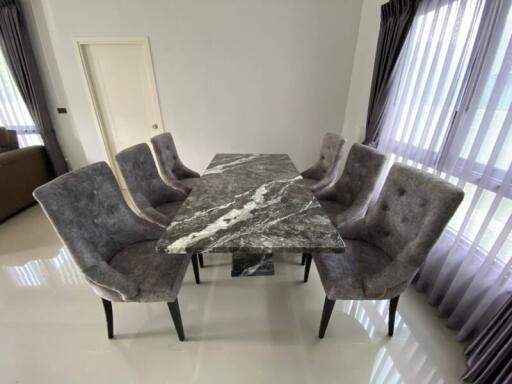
{"points": [[21, 171]]}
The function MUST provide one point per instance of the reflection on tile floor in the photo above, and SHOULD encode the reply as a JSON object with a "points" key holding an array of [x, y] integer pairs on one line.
{"points": [[251, 330]]}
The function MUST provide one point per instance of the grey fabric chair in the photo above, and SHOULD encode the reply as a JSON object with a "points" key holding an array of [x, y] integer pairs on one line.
{"points": [[113, 247], [348, 199], [325, 171], [385, 249], [155, 199], [174, 172]]}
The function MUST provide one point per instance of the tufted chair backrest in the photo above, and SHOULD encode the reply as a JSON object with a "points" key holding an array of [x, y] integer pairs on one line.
{"points": [[412, 210], [330, 156], [89, 213], [363, 169], [142, 179], [167, 156]]}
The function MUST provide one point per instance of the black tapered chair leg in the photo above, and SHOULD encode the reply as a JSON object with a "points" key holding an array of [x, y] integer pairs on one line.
{"points": [[307, 267], [195, 265], [107, 306], [174, 308], [393, 304], [326, 315], [303, 261], [201, 261]]}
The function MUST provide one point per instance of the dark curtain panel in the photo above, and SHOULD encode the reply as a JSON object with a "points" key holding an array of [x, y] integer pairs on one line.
{"points": [[489, 356], [396, 20], [17, 49]]}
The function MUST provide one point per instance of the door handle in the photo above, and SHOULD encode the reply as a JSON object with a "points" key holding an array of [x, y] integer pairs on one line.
{"points": [[154, 126]]}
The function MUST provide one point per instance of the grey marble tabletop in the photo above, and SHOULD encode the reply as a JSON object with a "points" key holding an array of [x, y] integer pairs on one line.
{"points": [[254, 203]]}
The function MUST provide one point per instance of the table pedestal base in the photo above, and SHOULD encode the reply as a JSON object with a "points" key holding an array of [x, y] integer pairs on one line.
{"points": [[245, 264]]}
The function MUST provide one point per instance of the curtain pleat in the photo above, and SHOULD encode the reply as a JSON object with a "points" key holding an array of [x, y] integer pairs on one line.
{"points": [[18, 53], [396, 20], [489, 356], [14, 114], [449, 113]]}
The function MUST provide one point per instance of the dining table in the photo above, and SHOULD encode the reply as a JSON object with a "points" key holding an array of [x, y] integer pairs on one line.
{"points": [[252, 206]]}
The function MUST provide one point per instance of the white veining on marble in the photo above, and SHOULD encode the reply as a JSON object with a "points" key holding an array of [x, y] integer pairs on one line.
{"points": [[259, 228], [254, 202], [199, 214], [222, 167], [257, 201]]}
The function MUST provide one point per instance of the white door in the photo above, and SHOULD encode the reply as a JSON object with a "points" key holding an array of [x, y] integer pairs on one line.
{"points": [[121, 85]]}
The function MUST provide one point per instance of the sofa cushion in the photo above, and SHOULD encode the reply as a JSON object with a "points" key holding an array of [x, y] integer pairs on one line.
{"points": [[8, 140]]}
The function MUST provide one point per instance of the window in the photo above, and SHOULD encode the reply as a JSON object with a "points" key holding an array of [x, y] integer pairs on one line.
{"points": [[430, 76], [13, 111], [450, 113]]}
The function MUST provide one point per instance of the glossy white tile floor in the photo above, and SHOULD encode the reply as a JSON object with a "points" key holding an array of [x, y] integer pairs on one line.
{"points": [[239, 330]]}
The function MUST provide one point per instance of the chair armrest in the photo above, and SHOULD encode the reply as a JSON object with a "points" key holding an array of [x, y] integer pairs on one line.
{"points": [[186, 172], [178, 185], [394, 274], [354, 230], [325, 193], [104, 275], [149, 212], [314, 172], [155, 216], [144, 230], [353, 213], [173, 192], [324, 183], [401, 270]]}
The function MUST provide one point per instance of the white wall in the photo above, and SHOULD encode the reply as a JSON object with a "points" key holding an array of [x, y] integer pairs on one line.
{"points": [[232, 75], [362, 70]]}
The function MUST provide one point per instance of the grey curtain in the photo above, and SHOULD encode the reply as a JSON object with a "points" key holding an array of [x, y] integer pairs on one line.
{"points": [[489, 356], [17, 49], [396, 20]]}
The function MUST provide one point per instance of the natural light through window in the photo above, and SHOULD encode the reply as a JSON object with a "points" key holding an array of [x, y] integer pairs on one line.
{"points": [[442, 120], [13, 111], [422, 112]]}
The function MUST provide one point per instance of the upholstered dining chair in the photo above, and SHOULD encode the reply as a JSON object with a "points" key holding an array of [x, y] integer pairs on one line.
{"points": [[155, 199], [173, 171], [325, 171], [113, 247], [348, 199], [385, 249]]}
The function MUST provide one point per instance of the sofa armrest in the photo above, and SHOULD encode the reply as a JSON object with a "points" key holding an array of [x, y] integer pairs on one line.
{"points": [[21, 171]]}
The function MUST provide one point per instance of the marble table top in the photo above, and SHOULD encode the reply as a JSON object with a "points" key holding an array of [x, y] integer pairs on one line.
{"points": [[253, 203]]}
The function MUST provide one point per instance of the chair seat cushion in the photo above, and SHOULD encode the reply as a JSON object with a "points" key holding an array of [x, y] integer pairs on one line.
{"points": [[159, 276], [190, 182], [332, 208], [342, 275], [169, 209]]}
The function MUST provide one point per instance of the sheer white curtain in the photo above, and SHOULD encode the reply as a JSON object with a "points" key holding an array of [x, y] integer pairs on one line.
{"points": [[450, 113], [13, 111]]}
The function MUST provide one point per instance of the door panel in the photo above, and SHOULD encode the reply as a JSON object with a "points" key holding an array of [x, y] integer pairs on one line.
{"points": [[122, 89]]}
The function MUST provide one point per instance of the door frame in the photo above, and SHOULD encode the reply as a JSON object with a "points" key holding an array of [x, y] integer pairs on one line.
{"points": [[80, 43]]}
